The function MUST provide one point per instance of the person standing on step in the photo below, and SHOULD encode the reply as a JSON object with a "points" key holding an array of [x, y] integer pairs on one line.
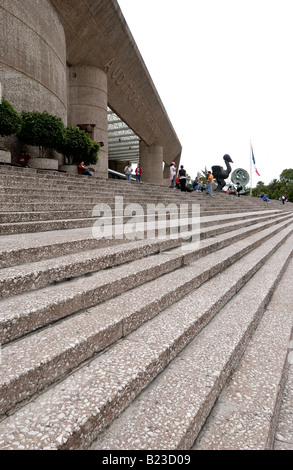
{"points": [[238, 189], [209, 187], [172, 174], [182, 178], [138, 172], [128, 171]]}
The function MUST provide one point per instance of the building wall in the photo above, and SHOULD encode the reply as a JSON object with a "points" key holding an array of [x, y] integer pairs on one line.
{"points": [[50, 51], [33, 57]]}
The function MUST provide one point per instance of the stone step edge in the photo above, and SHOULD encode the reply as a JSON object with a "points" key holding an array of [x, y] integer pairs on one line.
{"points": [[71, 297], [108, 391], [250, 411], [210, 225], [39, 374], [74, 198], [42, 245], [37, 275], [196, 376], [53, 215], [4, 216], [11, 228], [206, 217], [62, 177], [26, 202]]}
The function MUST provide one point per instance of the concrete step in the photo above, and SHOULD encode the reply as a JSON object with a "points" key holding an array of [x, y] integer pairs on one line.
{"points": [[32, 276], [284, 431], [251, 399], [19, 249], [103, 328], [24, 313], [22, 248], [14, 202], [54, 178], [129, 343], [39, 189], [35, 275], [46, 225], [46, 220], [106, 195], [170, 413], [35, 179], [17, 217], [191, 333]]}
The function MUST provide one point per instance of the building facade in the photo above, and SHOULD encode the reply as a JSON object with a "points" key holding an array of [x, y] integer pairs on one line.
{"points": [[77, 59]]}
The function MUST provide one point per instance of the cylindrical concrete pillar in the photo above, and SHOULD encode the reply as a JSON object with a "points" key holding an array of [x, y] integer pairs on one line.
{"points": [[32, 60], [151, 161], [87, 108], [33, 57]]}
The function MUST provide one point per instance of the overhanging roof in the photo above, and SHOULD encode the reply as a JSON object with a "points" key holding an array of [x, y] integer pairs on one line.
{"points": [[97, 35]]}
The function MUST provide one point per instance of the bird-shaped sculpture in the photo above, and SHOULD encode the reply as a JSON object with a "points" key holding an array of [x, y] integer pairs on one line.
{"points": [[220, 173]]}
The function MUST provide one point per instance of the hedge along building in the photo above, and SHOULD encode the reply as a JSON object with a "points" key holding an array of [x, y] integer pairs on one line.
{"points": [[78, 60]]}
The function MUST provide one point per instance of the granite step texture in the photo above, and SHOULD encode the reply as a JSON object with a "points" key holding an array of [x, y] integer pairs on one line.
{"points": [[272, 244], [23, 248], [35, 275], [20, 314], [92, 330], [63, 224], [171, 412], [246, 412], [158, 357], [182, 284], [36, 217], [36, 207]]}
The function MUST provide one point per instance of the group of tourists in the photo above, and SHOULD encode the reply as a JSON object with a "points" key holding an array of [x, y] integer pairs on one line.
{"points": [[128, 172], [234, 189], [179, 181]]}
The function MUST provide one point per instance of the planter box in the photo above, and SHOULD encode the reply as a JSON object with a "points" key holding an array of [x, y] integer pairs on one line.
{"points": [[5, 157], [43, 163], [71, 169]]}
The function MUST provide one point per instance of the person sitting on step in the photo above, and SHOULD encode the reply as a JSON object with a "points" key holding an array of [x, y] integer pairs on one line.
{"points": [[83, 170]]}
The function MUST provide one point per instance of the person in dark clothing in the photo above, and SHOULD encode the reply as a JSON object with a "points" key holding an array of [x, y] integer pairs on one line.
{"points": [[182, 178], [238, 189], [23, 159]]}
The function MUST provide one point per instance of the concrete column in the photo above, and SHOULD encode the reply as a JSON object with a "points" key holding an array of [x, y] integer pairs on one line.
{"points": [[151, 161], [32, 62], [87, 107]]}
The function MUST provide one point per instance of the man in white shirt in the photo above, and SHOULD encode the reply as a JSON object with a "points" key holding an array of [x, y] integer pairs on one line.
{"points": [[172, 174], [128, 172]]}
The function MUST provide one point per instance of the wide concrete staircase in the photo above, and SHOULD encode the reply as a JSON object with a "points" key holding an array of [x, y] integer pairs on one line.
{"points": [[178, 340]]}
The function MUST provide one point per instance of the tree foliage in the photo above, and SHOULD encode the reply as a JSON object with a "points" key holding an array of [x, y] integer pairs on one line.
{"points": [[46, 130], [276, 188], [10, 121], [42, 130], [78, 146], [287, 175]]}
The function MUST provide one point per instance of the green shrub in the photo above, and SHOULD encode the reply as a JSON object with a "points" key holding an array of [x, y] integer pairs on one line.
{"points": [[10, 121], [42, 130], [78, 146]]}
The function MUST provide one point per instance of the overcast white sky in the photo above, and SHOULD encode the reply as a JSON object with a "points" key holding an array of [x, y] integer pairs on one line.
{"points": [[224, 72]]}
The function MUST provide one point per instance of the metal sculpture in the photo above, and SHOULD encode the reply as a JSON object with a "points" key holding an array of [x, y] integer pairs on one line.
{"points": [[221, 174], [240, 176]]}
